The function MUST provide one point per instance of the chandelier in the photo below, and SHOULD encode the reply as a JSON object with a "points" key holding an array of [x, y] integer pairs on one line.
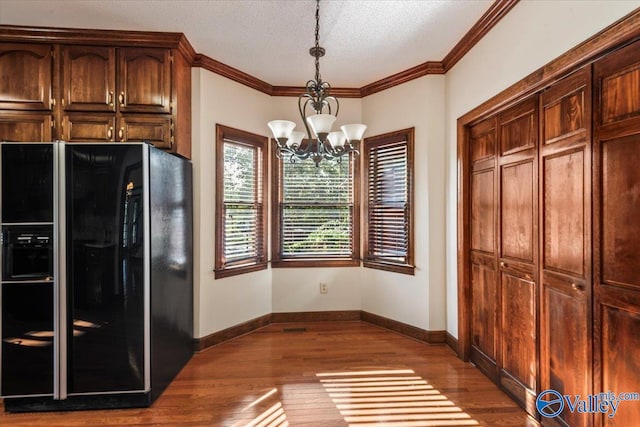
{"points": [[327, 144]]}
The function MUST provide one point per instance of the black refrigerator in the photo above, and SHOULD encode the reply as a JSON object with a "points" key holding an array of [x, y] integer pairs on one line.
{"points": [[96, 294]]}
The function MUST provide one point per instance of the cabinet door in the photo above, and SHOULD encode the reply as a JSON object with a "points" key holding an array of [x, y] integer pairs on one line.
{"points": [[518, 243], [565, 237], [89, 78], [17, 126], [616, 229], [88, 128], [25, 76], [144, 80], [156, 129]]}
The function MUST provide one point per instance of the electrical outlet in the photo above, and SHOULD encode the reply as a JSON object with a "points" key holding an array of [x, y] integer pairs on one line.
{"points": [[324, 288]]}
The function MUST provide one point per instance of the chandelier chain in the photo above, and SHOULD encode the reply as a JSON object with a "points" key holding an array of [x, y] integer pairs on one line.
{"points": [[317, 46]]}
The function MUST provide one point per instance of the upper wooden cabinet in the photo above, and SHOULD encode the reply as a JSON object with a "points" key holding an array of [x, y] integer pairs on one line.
{"points": [[88, 78], [142, 83], [25, 76], [144, 80], [136, 89]]}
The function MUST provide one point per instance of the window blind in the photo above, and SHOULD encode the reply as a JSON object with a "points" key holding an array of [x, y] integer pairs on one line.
{"points": [[242, 204], [316, 209], [388, 203]]}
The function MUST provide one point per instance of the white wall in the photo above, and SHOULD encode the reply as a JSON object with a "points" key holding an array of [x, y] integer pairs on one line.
{"points": [[219, 304], [416, 300], [298, 289], [532, 34]]}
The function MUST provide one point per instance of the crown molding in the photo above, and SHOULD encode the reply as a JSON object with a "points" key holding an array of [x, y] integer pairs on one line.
{"points": [[203, 61], [491, 17], [15, 33], [429, 67]]}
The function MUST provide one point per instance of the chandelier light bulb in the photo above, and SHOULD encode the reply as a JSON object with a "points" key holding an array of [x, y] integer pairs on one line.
{"points": [[281, 129], [337, 139], [354, 132]]}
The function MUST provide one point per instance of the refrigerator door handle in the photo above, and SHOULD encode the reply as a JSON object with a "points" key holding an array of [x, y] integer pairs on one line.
{"points": [[60, 276]]}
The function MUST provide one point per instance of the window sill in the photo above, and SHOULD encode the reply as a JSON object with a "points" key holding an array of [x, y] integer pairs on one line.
{"points": [[395, 268], [234, 271], [306, 262]]}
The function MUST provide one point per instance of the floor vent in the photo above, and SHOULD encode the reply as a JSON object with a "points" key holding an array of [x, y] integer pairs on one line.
{"points": [[294, 330]]}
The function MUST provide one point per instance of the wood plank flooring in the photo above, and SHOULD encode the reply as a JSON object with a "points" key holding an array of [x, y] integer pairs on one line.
{"points": [[324, 374]]}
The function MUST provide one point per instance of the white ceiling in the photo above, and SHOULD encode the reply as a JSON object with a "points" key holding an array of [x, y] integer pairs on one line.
{"points": [[365, 40]]}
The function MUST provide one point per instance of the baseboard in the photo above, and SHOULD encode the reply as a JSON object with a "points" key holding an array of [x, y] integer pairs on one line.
{"points": [[316, 316], [452, 342], [430, 337], [230, 333]]}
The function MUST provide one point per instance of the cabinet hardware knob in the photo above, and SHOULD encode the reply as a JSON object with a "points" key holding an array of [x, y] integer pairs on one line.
{"points": [[110, 99], [121, 134], [121, 99], [576, 287], [503, 264], [110, 133], [53, 102]]}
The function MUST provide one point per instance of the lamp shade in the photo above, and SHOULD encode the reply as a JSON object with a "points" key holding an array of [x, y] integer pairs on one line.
{"points": [[321, 123], [295, 138], [354, 132], [337, 139], [281, 129]]}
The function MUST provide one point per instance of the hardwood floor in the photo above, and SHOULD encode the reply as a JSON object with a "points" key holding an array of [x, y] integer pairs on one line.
{"points": [[328, 374]]}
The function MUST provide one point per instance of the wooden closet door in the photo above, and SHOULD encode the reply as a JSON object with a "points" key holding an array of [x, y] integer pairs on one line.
{"points": [[565, 239], [518, 189], [485, 298], [616, 229]]}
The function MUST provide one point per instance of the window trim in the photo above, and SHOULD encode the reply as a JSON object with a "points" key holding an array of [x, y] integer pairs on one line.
{"points": [[304, 262], [374, 142], [261, 143]]}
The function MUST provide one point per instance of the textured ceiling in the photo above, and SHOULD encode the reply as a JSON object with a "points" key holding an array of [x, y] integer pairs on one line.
{"points": [[366, 40]]}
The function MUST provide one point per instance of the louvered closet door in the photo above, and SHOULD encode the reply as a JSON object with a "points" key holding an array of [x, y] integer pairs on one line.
{"points": [[485, 297], [517, 275], [565, 230], [616, 219]]}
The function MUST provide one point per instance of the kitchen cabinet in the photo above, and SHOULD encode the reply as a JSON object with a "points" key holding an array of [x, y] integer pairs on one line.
{"points": [[25, 76], [19, 126], [96, 92]]}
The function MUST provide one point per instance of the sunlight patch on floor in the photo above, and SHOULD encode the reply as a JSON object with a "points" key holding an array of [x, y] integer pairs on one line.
{"points": [[391, 398], [268, 412]]}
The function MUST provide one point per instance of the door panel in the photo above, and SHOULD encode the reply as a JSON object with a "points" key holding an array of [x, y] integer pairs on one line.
{"points": [[568, 357], [517, 211], [89, 78], [484, 308], [564, 217], [79, 127], [621, 358], [620, 209], [483, 211], [519, 127], [155, 129], [18, 126], [518, 328], [144, 80], [25, 76]]}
